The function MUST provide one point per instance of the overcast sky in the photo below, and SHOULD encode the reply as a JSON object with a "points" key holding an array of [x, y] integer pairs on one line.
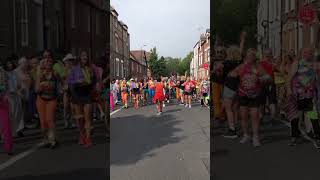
{"points": [[173, 26]]}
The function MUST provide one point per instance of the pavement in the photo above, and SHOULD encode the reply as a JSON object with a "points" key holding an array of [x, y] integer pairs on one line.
{"points": [[67, 161], [173, 146], [274, 160]]}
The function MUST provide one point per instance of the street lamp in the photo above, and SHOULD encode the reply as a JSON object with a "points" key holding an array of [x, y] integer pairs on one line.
{"points": [[144, 54]]}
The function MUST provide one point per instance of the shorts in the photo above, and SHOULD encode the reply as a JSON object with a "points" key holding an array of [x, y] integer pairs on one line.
{"points": [[228, 93], [204, 94], [305, 105], [82, 95], [145, 91], [269, 94], [249, 102], [187, 93], [136, 91]]}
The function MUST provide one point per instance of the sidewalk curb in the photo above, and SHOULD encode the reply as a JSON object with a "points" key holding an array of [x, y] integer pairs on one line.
{"points": [[114, 112]]}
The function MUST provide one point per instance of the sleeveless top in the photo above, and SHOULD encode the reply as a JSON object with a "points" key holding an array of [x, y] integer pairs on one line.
{"points": [[124, 87], [303, 82], [249, 81], [205, 87], [151, 85], [49, 88]]}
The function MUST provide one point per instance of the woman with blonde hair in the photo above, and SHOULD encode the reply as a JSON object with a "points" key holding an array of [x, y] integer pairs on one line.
{"points": [[47, 89], [82, 81]]}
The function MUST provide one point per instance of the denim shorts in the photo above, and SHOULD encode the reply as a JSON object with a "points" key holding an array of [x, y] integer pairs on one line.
{"points": [[228, 93]]}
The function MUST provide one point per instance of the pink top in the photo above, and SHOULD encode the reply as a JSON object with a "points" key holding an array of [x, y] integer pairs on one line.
{"points": [[249, 81]]}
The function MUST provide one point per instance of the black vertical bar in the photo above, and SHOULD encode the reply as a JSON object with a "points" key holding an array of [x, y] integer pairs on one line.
{"points": [[45, 43]]}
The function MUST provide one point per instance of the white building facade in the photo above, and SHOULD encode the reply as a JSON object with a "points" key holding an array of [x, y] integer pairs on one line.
{"points": [[269, 26], [194, 62]]}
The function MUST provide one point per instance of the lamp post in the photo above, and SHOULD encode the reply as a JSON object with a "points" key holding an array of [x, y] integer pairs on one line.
{"points": [[142, 52]]}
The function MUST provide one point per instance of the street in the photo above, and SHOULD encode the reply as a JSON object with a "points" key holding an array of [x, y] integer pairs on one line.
{"points": [[173, 146], [68, 161], [274, 160]]}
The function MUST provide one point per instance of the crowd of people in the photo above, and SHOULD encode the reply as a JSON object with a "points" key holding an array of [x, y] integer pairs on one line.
{"points": [[34, 89], [247, 85], [159, 91]]}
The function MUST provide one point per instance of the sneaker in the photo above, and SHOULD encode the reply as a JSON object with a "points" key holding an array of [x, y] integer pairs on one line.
{"points": [[168, 101], [189, 106], [316, 144], [244, 139], [293, 142], [230, 134], [181, 104], [159, 113], [256, 142], [311, 134], [186, 105], [164, 105]]}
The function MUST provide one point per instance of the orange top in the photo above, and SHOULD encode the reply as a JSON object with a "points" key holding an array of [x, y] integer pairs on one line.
{"points": [[159, 88]]}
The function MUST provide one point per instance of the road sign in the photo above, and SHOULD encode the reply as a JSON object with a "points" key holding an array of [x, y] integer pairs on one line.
{"points": [[307, 14]]}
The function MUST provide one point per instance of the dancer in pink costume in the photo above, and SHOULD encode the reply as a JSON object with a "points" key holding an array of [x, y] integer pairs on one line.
{"points": [[5, 126]]}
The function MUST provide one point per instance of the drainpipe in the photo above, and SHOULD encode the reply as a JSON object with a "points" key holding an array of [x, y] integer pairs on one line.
{"points": [[14, 27], [281, 30], [297, 10]]}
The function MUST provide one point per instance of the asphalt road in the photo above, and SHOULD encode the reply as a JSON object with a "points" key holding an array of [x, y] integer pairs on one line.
{"points": [[173, 146], [274, 160], [68, 161]]}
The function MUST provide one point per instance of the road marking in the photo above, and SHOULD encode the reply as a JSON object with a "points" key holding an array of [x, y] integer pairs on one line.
{"points": [[19, 157], [116, 111], [286, 123]]}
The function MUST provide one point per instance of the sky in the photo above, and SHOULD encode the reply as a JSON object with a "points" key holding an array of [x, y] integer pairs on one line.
{"points": [[172, 26]]}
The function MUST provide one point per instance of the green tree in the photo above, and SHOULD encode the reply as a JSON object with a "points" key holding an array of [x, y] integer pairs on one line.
{"points": [[184, 66], [172, 64], [230, 17], [157, 66], [153, 60]]}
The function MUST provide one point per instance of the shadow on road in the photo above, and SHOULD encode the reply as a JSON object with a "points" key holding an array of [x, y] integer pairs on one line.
{"points": [[79, 174], [135, 137]]}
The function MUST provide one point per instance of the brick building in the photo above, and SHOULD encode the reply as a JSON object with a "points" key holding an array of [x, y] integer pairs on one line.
{"points": [[201, 68], [119, 47], [86, 27], [138, 64], [296, 35], [29, 26], [282, 29]]}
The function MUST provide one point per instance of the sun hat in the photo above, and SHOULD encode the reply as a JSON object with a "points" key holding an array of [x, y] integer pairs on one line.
{"points": [[68, 57]]}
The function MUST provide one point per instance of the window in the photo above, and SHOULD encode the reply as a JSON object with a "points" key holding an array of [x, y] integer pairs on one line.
{"points": [[116, 43], [24, 23], [311, 35], [97, 24], [292, 4], [122, 69], [287, 6], [73, 14], [118, 66], [89, 20]]}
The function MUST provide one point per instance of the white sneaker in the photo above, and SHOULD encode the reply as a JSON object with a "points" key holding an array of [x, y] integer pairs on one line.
{"points": [[244, 139], [164, 105], [256, 141], [168, 101], [159, 113], [186, 105], [189, 106]]}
